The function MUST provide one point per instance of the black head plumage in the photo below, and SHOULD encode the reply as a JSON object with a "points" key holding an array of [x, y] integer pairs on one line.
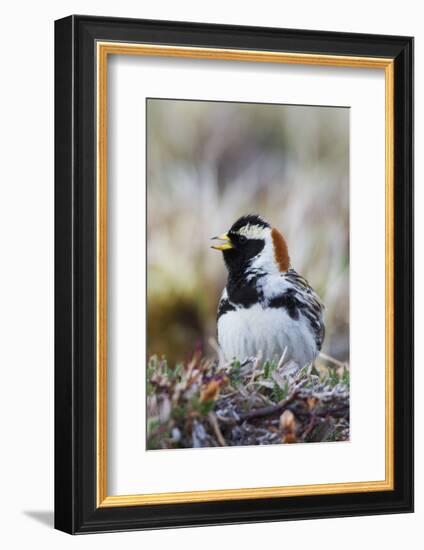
{"points": [[249, 219], [238, 259]]}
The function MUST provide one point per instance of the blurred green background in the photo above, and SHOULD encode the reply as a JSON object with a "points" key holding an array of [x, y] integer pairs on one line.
{"points": [[210, 162]]}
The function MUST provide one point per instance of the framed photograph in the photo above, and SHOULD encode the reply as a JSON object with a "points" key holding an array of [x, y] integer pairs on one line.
{"points": [[234, 274]]}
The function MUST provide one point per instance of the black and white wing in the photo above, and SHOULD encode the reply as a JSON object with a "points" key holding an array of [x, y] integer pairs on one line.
{"points": [[299, 298]]}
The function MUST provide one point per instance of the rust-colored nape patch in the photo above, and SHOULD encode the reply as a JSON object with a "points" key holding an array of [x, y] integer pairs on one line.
{"points": [[281, 252]]}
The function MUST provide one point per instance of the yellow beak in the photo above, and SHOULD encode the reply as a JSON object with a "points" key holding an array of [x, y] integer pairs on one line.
{"points": [[226, 245]]}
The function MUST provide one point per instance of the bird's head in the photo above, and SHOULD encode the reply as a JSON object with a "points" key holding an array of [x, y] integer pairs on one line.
{"points": [[251, 244]]}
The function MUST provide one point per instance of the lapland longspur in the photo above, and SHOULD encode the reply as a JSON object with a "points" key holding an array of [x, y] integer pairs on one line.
{"points": [[266, 308]]}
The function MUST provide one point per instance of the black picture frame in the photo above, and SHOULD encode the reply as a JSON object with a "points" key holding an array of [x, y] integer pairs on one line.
{"points": [[76, 510]]}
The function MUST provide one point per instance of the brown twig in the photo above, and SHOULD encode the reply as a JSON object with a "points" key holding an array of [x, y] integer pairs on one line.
{"points": [[268, 411], [214, 423], [333, 360]]}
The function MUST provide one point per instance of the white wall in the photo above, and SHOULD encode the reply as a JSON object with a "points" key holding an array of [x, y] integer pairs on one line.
{"points": [[26, 273]]}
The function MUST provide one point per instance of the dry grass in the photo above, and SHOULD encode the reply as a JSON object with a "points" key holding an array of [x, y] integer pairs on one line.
{"points": [[204, 404]]}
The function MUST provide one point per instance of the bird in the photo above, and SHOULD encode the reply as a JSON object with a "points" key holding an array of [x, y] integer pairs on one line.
{"points": [[266, 309]]}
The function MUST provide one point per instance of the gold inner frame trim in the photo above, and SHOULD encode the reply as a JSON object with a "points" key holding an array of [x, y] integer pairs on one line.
{"points": [[103, 50]]}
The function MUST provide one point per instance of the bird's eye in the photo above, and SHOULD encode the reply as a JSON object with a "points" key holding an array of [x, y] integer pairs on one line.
{"points": [[242, 239]]}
